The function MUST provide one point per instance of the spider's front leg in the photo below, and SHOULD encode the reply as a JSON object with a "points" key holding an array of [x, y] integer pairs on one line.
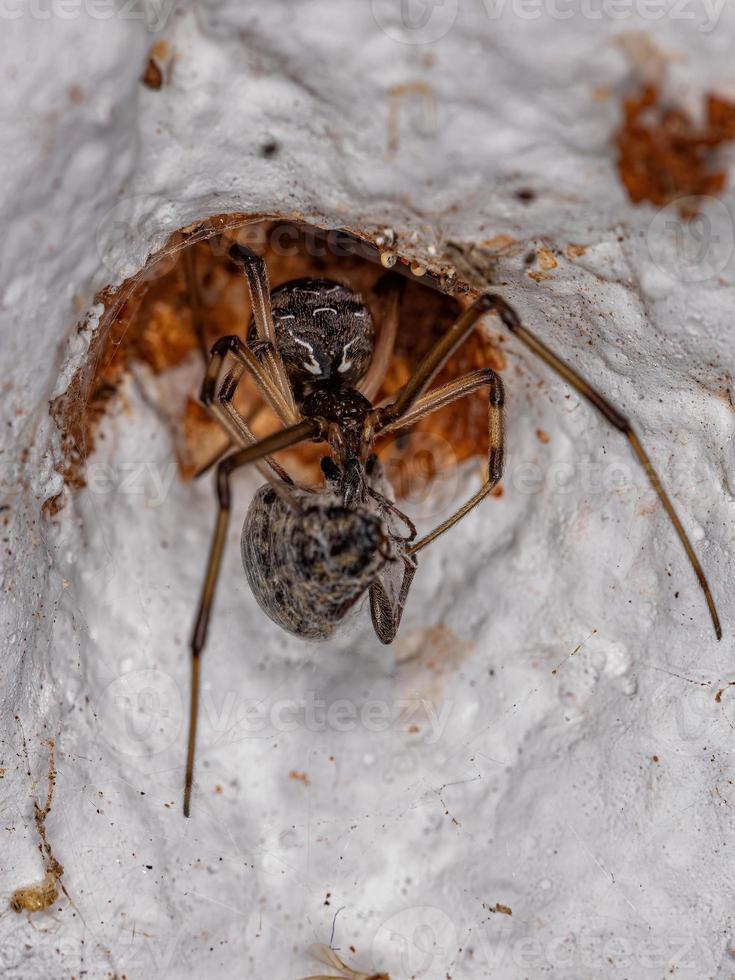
{"points": [[439, 398], [406, 405], [256, 272]]}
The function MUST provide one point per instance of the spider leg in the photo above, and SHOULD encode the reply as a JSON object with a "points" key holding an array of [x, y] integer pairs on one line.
{"points": [[279, 440], [256, 272], [219, 398], [435, 359], [252, 415], [370, 384], [247, 361], [195, 298], [385, 613], [445, 395], [622, 424]]}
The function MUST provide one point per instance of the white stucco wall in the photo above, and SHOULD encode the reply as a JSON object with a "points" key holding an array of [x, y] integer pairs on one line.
{"points": [[526, 787]]}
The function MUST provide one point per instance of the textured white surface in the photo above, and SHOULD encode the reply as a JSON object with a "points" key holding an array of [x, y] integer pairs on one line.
{"points": [[525, 787]]}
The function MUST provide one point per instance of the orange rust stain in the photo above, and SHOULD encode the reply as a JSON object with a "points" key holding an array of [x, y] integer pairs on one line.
{"points": [[300, 777], [664, 155], [575, 251], [546, 259], [158, 69], [542, 436], [500, 243]]}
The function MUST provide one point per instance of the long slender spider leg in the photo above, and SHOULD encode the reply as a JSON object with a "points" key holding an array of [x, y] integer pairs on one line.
{"points": [[233, 346], [306, 429], [249, 419], [435, 359], [195, 298], [386, 615], [219, 399], [622, 424], [370, 384], [389, 505], [445, 395], [256, 272]]}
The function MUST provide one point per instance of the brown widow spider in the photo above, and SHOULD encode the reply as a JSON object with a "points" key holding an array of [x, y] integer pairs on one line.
{"points": [[311, 553]]}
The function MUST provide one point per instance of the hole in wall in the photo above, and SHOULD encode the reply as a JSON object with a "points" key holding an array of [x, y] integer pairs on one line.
{"points": [[148, 323]]}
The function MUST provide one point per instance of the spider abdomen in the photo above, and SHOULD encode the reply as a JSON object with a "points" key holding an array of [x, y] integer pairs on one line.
{"points": [[308, 566]]}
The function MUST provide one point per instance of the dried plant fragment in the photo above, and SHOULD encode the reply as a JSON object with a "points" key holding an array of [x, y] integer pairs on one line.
{"points": [[43, 894]]}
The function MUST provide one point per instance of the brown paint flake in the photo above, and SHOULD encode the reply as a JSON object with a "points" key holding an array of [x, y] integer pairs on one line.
{"points": [[664, 155], [158, 69]]}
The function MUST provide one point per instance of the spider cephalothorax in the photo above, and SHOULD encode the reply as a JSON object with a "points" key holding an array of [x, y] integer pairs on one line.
{"points": [[323, 331]]}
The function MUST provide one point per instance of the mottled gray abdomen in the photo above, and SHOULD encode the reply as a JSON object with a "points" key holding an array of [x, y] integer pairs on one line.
{"points": [[307, 567]]}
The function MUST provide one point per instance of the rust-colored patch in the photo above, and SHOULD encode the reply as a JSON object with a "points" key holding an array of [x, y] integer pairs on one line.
{"points": [[300, 777], [152, 76], [500, 909], [149, 321], [542, 436], [575, 251], [546, 259], [664, 155], [158, 69], [500, 243]]}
